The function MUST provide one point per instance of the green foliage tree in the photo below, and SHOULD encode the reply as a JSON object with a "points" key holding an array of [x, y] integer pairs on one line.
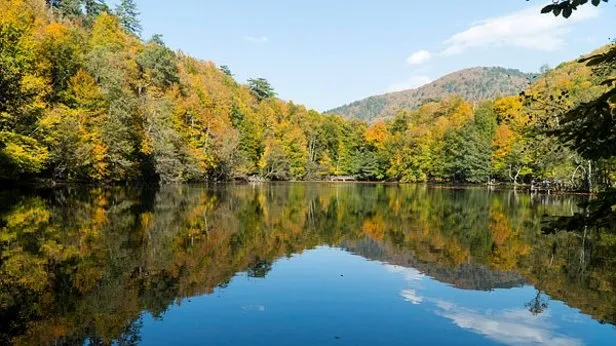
{"points": [[261, 88], [68, 8], [157, 66], [468, 151], [226, 70], [161, 144], [94, 8], [128, 13]]}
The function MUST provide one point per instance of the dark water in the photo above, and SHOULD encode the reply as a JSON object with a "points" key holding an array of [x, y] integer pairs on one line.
{"points": [[299, 264]]}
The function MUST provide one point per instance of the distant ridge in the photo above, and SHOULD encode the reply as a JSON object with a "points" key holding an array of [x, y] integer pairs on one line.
{"points": [[468, 276], [472, 84]]}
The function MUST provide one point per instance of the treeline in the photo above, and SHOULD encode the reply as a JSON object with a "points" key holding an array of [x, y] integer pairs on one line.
{"points": [[512, 139], [83, 98]]}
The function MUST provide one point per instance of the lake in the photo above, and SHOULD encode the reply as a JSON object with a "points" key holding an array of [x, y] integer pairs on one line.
{"points": [[300, 264]]}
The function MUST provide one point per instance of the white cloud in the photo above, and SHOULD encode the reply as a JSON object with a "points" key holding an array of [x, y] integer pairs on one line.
{"points": [[411, 296], [419, 57], [254, 39], [514, 327], [510, 327], [411, 83], [443, 304], [523, 29], [410, 274]]}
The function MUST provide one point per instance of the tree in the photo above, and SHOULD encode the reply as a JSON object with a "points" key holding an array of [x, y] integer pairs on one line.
{"points": [[157, 66], [161, 143], [274, 163], [566, 7], [128, 13], [61, 49], [261, 88], [94, 8], [20, 155], [589, 128], [70, 157], [68, 8], [110, 63], [367, 165], [468, 151], [226, 70], [24, 90]]}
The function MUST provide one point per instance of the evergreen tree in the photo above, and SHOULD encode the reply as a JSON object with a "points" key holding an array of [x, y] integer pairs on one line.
{"points": [[94, 8], [226, 70], [128, 13], [261, 88], [68, 8]]}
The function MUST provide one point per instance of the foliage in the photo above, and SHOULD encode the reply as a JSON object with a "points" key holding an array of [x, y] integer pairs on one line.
{"points": [[596, 116], [261, 88], [468, 151], [83, 98], [226, 70], [566, 7], [127, 12]]}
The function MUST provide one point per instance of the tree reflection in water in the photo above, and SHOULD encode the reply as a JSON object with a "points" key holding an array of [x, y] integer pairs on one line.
{"points": [[83, 264]]}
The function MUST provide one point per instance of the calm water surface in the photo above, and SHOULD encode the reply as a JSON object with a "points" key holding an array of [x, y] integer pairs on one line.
{"points": [[299, 264]]}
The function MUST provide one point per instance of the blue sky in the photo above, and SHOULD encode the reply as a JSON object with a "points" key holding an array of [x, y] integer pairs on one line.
{"points": [[326, 53]]}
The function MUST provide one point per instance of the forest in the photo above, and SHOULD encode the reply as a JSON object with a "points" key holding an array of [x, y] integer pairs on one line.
{"points": [[84, 99]]}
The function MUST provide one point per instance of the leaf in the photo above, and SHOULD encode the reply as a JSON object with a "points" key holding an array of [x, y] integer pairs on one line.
{"points": [[596, 2], [567, 12], [547, 9]]}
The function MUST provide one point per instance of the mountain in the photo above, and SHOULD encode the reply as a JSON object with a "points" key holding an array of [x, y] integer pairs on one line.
{"points": [[468, 276], [472, 84]]}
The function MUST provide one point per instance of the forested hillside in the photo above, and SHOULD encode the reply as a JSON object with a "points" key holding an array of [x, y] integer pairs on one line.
{"points": [[473, 84], [83, 98], [509, 138]]}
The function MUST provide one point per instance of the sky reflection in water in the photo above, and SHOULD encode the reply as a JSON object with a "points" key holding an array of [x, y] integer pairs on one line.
{"points": [[329, 296]]}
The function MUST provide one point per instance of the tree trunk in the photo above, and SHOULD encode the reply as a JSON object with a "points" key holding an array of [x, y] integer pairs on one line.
{"points": [[589, 176], [517, 174]]}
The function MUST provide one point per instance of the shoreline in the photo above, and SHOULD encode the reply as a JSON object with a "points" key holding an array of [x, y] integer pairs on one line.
{"points": [[7, 185]]}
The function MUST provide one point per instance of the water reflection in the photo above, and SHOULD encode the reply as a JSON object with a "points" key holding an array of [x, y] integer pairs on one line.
{"points": [[83, 265], [506, 325]]}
